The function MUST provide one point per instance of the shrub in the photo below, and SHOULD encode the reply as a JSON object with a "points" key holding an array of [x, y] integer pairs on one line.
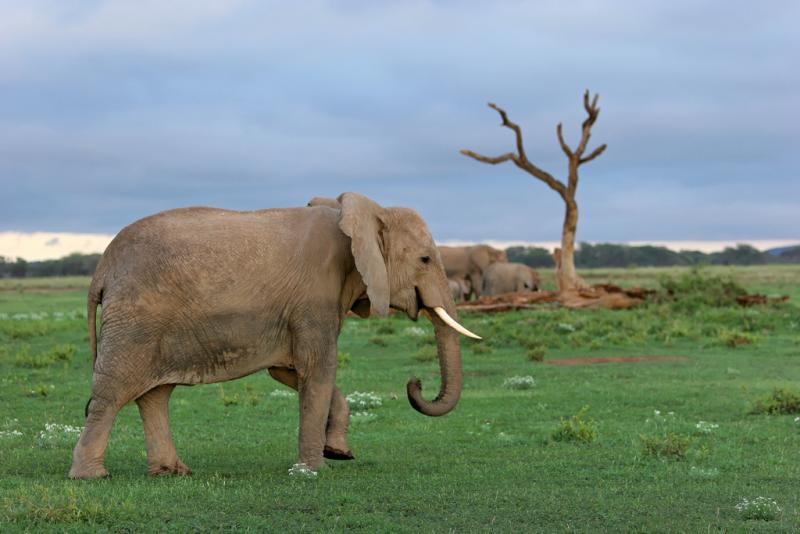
{"points": [[377, 340], [760, 508], [779, 402], [519, 382], [670, 446], [59, 353], [385, 328], [694, 289], [426, 353], [576, 428], [480, 348], [736, 338], [536, 354], [25, 330]]}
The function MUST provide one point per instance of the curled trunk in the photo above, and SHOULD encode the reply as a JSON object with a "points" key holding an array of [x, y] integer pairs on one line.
{"points": [[449, 349]]}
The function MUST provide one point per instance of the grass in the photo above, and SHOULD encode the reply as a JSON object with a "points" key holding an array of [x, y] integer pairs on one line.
{"points": [[492, 464]]}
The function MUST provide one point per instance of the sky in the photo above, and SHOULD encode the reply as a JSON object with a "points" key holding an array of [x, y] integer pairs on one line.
{"points": [[114, 110]]}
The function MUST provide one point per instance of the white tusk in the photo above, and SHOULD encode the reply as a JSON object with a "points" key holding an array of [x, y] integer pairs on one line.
{"points": [[452, 323]]}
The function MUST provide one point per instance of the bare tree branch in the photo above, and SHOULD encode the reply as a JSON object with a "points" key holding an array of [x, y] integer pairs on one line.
{"points": [[564, 145], [544, 176], [597, 151], [490, 160], [593, 111], [508, 124]]}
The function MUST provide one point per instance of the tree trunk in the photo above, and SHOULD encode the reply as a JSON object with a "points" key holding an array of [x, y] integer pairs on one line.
{"points": [[566, 277]]}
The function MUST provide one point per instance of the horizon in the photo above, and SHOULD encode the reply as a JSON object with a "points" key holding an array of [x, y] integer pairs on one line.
{"points": [[41, 246], [113, 110]]}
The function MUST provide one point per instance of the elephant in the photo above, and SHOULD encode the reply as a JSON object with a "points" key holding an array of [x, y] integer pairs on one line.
{"points": [[202, 295], [468, 263], [502, 278], [459, 288]]}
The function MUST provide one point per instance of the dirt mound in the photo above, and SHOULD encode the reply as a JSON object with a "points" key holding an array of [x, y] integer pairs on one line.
{"points": [[600, 296]]}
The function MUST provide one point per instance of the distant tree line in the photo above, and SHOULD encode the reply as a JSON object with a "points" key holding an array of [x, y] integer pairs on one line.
{"points": [[600, 255], [610, 255], [73, 265]]}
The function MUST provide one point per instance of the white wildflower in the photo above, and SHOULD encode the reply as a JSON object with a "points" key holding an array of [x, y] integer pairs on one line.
{"points": [[362, 417], [301, 471], [705, 427], [762, 508], [282, 394], [519, 382], [566, 327], [10, 433], [360, 402], [55, 434], [415, 331]]}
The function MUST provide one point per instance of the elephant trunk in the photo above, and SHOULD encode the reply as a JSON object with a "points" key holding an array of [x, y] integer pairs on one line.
{"points": [[449, 349]]}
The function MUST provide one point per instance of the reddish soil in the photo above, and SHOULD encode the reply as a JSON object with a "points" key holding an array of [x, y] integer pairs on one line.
{"points": [[617, 359]]}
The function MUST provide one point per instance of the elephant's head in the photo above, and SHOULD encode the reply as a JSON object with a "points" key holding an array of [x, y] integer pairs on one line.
{"points": [[401, 268]]}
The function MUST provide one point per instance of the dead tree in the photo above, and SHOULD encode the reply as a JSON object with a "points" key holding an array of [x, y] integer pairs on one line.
{"points": [[566, 277]]}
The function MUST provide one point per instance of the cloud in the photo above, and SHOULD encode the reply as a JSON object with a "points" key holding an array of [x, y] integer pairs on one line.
{"points": [[111, 110]]}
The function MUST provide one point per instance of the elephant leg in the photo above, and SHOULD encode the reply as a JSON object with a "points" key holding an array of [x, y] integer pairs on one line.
{"points": [[315, 362], [162, 458], [109, 394], [336, 447], [476, 279], [87, 457]]}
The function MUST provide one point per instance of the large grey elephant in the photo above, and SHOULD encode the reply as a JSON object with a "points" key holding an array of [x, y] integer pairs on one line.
{"points": [[202, 295], [502, 278], [468, 263]]}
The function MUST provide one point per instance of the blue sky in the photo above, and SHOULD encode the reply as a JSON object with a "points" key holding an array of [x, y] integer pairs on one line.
{"points": [[113, 110]]}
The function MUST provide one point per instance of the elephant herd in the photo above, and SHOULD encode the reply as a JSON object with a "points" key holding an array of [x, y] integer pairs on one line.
{"points": [[482, 270]]}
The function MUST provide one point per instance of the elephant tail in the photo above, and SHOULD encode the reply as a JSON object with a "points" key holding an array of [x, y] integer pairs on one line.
{"points": [[95, 297]]}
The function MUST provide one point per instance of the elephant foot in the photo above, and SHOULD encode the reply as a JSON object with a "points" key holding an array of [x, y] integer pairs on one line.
{"points": [[335, 454], [88, 473], [170, 468]]}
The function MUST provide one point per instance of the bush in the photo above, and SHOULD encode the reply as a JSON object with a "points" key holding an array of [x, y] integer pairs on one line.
{"points": [[59, 353], [736, 338], [519, 382], [760, 508], [426, 353], [536, 354], [694, 289], [480, 348], [377, 340], [385, 328], [576, 428], [670, 445], [779, 402]]}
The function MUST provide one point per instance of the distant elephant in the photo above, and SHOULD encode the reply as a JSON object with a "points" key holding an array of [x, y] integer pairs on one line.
{"points": [[468, 263], [459, 288], [203, 295], [502, 278]]}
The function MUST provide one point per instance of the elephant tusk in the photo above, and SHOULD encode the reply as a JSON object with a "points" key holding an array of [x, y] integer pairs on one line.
{"points": [[452, 323]]}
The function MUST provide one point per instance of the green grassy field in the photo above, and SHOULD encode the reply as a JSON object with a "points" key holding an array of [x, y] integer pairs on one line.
{"points": [[507, 460]]}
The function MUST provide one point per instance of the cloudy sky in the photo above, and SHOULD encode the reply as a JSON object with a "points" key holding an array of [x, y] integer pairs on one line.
{"points": [[113, 110]]}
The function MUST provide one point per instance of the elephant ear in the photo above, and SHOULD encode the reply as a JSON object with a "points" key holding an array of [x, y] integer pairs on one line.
{"points": [[324, 201], [361, 220]]}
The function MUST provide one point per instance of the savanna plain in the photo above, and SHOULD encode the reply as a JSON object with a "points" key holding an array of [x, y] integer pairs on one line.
{"points": [[706, 440]]}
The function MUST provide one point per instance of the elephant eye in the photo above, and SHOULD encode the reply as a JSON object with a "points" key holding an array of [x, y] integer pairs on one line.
{"points": [[425, 259]]}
